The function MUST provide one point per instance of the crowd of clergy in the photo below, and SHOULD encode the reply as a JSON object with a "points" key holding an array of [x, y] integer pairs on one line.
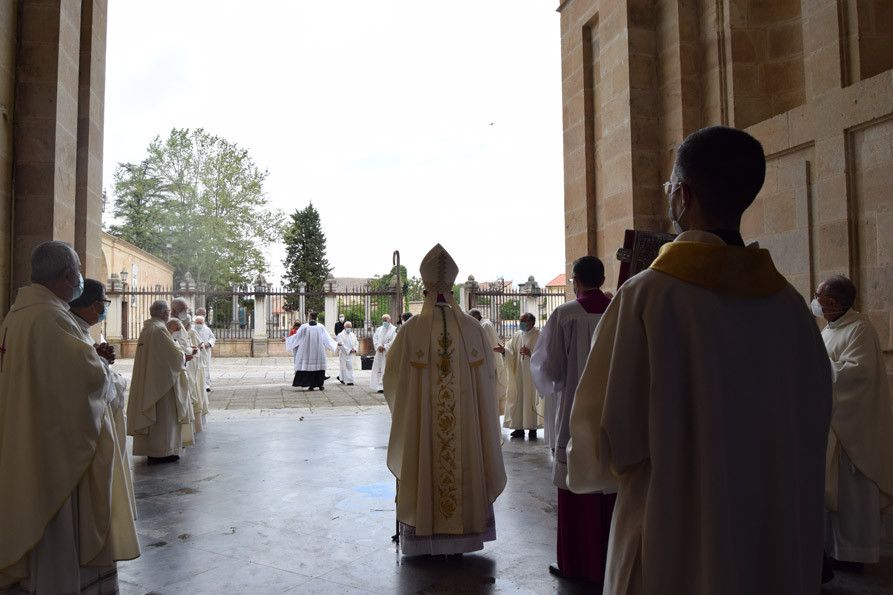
{"points": [[706, 436]]}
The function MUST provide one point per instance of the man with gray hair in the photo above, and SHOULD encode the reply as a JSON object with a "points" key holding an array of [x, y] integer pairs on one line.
{"points": [[158, 405], [65, 514], [859, 474], [179, 309]]}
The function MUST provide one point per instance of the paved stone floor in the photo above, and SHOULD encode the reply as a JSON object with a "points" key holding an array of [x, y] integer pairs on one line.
{"points": [[297, 498]]}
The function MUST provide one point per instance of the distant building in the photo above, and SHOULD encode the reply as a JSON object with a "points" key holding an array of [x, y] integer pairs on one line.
{"points": [[143, 270]]}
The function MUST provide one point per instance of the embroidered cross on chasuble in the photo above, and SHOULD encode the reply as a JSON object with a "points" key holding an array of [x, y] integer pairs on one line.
{"points": [[447, 438]]}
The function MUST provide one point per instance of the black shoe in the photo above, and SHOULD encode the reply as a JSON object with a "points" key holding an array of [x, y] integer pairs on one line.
{"points": [[310, 388], [854, 567], [381, 392], [322, 388], [162, 460], [827, 572], [517, 434], [207, 390], [531, 434], [349, 383], [555, 571]]}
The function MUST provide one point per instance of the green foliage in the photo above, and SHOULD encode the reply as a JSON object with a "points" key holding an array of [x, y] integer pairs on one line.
{"points": [[510, 310], [355, 313], [382, 304], [305, 258], [197, 201]]}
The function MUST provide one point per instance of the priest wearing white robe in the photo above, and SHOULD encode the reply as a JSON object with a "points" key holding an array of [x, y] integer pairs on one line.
{"points": [[523, 404], [157, 406], [348, 347], [65, 513], [706, 399], [206, 347], [444, 443], [201, 403], [381, 342], [310, 344], [860, 445], [584, 520], [188, 429], [498, 358]]}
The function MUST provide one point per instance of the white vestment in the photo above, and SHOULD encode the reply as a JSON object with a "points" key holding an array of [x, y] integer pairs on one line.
{"points": [[64, 508], [348, 347], [498, 363], [707, 396], [201, 404], [556, 366], [860, 444], [206, 335], [383, 337], [444, 442], [158, 405], [310, 344], [190, 428], [523, 404]]}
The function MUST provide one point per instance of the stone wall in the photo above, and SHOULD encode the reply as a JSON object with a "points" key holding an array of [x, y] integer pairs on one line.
{"points": [[810, 79], [149, 270], [8, 19]]}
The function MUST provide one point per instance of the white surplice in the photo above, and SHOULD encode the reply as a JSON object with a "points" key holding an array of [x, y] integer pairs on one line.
{"points": [[310, 344], [383, 337], [707, 396], [158, 404], [860, 444], [191, 427], [444, 442], [206, 335], [523, 404], [498, 363], [65, 514], [556, 366], [348, 347], [201, 404]]}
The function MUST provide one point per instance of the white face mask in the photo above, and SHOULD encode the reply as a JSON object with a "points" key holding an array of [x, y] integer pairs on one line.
{"points": [[183, 315], [816, 308], [349, 330]]}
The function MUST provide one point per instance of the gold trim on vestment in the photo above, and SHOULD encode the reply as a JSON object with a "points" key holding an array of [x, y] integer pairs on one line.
{"points": [[418, 365], [476, 363]]}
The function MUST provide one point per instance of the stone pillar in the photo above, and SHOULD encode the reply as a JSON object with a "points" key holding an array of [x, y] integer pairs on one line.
{"points": [[8, 27], [467, 294], [234, 323], [113, 320], [187, 290], [88, 189], [302, 301], [331, 308], [367, 313], [45, 128], [530, 302], [259, 339]]}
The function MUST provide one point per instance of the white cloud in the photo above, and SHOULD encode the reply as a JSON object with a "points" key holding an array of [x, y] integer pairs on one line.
{"points": [[378, 111]]}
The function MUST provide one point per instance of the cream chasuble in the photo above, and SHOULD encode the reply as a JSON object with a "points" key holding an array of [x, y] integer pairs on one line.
{"points": [[444, 443], [190, 428], [498, 363], [196, 368], [860, 445], [157, 405], [707, 397], [59, 446], [524, 408]]}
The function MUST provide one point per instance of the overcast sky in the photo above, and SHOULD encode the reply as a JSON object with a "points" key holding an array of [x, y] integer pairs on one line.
{"points": [[406, 123]]}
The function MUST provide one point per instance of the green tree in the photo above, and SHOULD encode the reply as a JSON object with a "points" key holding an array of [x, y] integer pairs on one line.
{"points": [[510, 310], [305, 258], [197, 201]]}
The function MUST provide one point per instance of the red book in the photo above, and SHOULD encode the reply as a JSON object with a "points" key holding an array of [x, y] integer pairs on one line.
{"points": [[640, 248]]}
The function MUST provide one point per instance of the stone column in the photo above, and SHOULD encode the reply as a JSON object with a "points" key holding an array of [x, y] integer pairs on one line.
{"points": [[367, 313], [530, 301], [234, 323], [88, 189], [259, 339], [45, 128], [331, 307], [113, 320], [302, 301], [467, 294]]}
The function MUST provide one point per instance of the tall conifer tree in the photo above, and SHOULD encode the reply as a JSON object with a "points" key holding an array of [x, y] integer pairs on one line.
{"points": [[305, 258]]}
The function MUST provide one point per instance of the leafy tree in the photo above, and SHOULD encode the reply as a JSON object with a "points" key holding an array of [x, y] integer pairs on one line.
{"points": [[510, 310], [197, 201], [305, 258]]}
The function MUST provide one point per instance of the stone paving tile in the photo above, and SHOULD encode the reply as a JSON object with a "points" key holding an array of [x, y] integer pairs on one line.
{"points": [[265, 383]]}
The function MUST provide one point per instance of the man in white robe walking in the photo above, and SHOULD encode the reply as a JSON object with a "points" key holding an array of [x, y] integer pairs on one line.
{"points": [[556, 365], [158, 406], [381, 342], [444, 443], [498, 358], [65, 514], [206, 335], [860, 445], [310, 344], [706, 400], [523, 404], [348, 347]]}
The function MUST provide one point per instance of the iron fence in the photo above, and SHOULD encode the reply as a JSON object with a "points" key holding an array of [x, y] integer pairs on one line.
{"points": [[505, 307]]}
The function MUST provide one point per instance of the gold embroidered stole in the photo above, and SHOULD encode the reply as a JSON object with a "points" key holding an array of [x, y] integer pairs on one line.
{"points": [[446, 434]]}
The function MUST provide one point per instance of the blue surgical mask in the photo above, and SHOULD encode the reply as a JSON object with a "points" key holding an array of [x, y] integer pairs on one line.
{"points": [[385, 324], [103, 314], [80, 288], [524, 327]]}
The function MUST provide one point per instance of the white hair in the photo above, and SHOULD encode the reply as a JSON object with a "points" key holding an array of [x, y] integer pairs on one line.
{"points": [[53, 260], [385, 316], [174, 322], [199, 320], [158, 308], [348, 324], [201, 311], [179, 304]]}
